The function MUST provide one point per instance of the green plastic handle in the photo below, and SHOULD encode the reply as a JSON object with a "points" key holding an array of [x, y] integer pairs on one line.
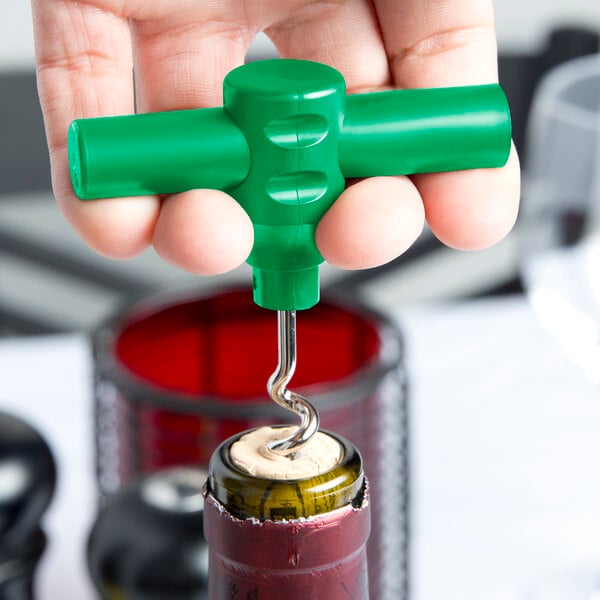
{"points": [[282, 145]]}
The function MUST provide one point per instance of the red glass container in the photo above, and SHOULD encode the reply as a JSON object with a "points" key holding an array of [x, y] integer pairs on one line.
{"points": [[176, 376]]}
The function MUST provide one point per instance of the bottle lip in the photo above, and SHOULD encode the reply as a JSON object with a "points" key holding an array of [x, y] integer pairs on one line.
{"points": [[341, 486]]}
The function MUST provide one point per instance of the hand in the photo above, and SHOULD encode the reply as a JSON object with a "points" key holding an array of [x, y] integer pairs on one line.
{"points": [[181, 50]]}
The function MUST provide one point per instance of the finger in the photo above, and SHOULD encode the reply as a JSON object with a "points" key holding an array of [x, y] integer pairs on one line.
{"points": [[452, 42], [84, 64], [84, 69], [477, 215], [181, 63], [374, 220], [443, 43], [344, 35], [203, 231], [371, 223]]}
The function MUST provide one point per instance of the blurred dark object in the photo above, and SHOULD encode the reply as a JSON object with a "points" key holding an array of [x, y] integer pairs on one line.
{"points": [[27, 481], [148, 542], [520, 73], [24, 166]]}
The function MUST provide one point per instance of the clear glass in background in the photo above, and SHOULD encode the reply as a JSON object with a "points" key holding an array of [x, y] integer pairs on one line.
{"points": [[561, 216], [560, 230]]}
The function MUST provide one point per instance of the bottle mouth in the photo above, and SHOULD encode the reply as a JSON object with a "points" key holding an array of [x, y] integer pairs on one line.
{"points": [[245, 495]]}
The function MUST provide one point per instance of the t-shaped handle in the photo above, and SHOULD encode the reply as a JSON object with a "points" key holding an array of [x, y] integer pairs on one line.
{"points": [[281, 145]]}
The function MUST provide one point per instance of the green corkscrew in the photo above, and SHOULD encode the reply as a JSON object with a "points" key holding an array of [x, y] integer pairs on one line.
{"points": [[282, 144]]}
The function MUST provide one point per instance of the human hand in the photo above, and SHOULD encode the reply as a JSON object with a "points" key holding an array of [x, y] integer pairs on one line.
{"points": [[86, 51]]}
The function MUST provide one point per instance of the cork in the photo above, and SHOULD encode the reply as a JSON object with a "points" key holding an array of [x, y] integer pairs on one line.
{"points": [[251, 455]]}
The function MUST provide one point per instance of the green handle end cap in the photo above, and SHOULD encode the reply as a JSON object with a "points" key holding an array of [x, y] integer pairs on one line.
{"points": [[75, 161]]}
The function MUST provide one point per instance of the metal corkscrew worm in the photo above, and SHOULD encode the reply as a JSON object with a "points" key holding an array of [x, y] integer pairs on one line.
{"points": [[286, 337]]}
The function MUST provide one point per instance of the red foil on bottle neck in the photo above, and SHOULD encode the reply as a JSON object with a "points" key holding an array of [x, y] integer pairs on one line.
{"points": [[319, 557]]}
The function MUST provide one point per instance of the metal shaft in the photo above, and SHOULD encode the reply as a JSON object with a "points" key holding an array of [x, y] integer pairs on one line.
{"points": [[286, 336]]}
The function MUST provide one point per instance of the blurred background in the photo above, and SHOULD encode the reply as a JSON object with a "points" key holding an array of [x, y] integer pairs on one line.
{"points": [[504, 423]]}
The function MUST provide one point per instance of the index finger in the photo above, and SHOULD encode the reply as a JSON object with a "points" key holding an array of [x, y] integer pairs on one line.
{"points": [[446, 43], [85, 69]]}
